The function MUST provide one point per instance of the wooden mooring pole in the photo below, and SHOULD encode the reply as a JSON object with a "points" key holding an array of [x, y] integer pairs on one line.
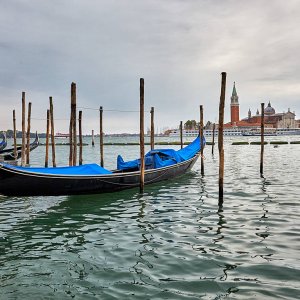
{"points": [[152, 128], [23, 131], [181, 134], [52, 132], [142, 142], [262, 138], [15, 135], [201, 139], [47, 139], [74, 130], [213, 139], [28, 134], [101, 137], [93, 139], [80, 137], [220, 137]]}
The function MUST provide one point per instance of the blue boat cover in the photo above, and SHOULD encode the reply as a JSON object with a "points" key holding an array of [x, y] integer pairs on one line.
{"points": [[88, 169], [162, 157]]}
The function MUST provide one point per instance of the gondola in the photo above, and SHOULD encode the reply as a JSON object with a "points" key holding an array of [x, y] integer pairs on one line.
{"points": [[8, 154], [161, 164], [3, 144]]}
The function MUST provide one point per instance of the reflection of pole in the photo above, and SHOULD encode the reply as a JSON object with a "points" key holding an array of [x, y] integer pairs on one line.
{"points": [[80, 137], [15, 135], [47, 138], [213, 139], [262, 146], [28, 134], [201, 139], [93, 138], [181, 135], [152, 128], [142, 142], [101, 138], [23, 130], [52, 132], [220, 137]]}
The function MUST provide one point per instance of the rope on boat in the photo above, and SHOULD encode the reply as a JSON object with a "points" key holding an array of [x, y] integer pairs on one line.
{"points": [[134, 184]]}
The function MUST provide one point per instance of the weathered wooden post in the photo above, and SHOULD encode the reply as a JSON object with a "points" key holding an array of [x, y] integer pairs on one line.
{"points": [[152, 128], [213, 139], [101, 137], [47, 139], [71, 140], [23, 130], [15, 135], [220, 137], [142, 142], [181, 135], [52, 132], [201, 139], [262, 139], [93, 139], [74, 130], [80, 137], [28, 134]]}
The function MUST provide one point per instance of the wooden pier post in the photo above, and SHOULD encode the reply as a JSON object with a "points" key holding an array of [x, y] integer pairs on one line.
{"points": [[213, 139], [181, 134], [74, 130], [152, 128], [71, 139], [262, 138], [28, 134], [201, 139], [93, 139], [142, 142], [47, 139], [101, 138], [80, 137], [23, 131], [52, 132], [15, 135], [220, 137]]}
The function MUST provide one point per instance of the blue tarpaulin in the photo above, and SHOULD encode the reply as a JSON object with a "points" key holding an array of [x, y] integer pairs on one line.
{"points": [[162, 157], [88, 169]]}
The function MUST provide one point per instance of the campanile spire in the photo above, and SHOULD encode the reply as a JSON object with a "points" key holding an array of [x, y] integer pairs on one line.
{"points": [[234, 106]]}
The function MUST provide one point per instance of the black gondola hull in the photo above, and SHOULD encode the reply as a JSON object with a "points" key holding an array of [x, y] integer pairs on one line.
{"points": [[18, 183]]}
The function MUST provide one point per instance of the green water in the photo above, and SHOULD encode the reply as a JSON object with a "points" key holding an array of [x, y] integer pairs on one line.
{"points": [[173, 242]]}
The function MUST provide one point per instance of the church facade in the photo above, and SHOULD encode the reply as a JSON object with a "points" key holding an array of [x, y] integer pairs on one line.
{"points": [[271, 118]]}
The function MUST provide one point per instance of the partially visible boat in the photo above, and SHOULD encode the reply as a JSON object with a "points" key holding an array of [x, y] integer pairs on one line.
{"points": [[59, 135], [93, 179], [206, 132], [3, 143], [288, 131], [9, 154], [257, 132]]}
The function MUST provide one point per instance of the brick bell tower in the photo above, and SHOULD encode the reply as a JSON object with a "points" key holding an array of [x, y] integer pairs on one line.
{"points": [[234, 107]]}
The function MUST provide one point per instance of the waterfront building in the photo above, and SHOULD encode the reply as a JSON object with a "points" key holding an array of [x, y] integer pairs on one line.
{"points": [[271, 118]]}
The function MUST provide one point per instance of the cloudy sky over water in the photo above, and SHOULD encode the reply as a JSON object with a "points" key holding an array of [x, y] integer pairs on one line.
{"points": [[178, 47]]}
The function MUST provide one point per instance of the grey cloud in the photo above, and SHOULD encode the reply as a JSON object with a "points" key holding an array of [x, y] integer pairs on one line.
{"points": [[179, 47]]}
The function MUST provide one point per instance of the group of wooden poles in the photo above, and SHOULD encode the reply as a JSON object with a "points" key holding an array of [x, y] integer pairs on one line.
{"points": [[73, 134]]}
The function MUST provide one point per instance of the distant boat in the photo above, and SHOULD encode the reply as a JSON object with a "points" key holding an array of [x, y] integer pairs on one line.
{"points": [[62, 135], [160, 164], [288, 131], [206, 132], [257, 132]]}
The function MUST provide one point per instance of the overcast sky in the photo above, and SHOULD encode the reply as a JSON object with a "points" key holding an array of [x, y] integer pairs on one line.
{"points": [[179, 47]]}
